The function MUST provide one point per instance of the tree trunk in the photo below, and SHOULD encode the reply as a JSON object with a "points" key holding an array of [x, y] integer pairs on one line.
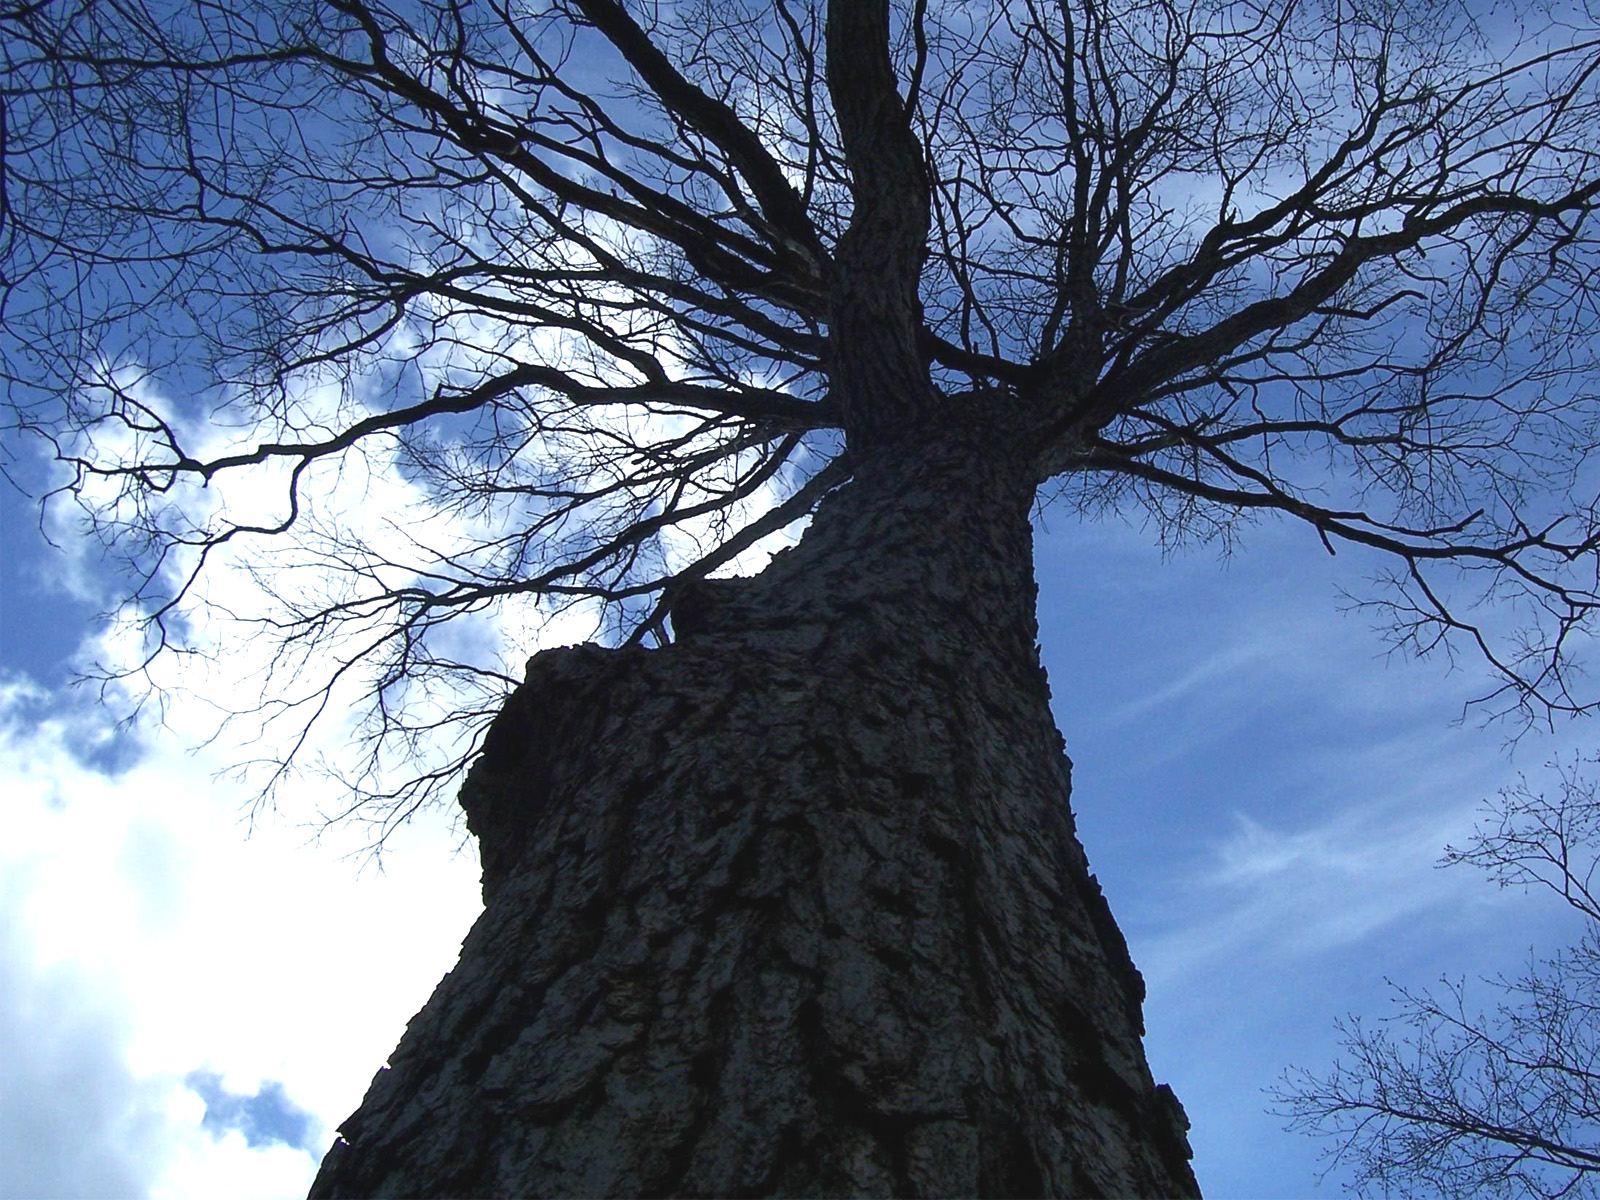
{"points": [[792, 906]]}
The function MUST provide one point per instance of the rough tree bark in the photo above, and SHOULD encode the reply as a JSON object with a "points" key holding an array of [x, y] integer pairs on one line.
{"points": [[794, 905]]}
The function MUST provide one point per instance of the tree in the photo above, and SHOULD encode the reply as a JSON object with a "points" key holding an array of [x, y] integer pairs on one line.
{"points": [[1462, 1103], [782, 887]]}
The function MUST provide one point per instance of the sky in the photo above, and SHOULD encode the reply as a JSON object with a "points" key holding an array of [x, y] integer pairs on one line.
{"points": [[190, 1003], [191, 1000]]}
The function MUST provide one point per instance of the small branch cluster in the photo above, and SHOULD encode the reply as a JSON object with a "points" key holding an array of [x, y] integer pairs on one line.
{"points": [[1444, 1099]]}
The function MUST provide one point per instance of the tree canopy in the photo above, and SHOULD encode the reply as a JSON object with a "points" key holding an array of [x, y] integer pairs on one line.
{"points": [[618, 291]]}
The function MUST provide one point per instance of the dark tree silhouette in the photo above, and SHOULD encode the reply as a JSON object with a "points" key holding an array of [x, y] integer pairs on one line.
{"points": [[1444, 1099], [782, 887]]}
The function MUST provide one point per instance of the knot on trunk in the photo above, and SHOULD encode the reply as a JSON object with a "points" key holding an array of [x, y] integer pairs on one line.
{"points": [[539, 738], [709, 605]]}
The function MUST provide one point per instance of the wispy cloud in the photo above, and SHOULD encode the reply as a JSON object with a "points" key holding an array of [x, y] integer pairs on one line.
{"points": [[1219, 668], [1342, 851]]}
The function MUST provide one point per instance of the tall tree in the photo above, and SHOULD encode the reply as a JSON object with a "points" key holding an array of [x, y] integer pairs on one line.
{"points": [[782, 889]]}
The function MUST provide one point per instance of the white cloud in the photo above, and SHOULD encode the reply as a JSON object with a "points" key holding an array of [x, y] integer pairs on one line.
{"points": [[226, 1166], [145, 938], [73, 1121]]}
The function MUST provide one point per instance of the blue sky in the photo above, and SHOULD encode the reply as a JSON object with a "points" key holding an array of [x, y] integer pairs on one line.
{"points": [[1264, 795], [188, 1011]]}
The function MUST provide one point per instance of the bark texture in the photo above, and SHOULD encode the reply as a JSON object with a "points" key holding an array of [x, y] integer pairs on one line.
{"points": [[794, 906]]}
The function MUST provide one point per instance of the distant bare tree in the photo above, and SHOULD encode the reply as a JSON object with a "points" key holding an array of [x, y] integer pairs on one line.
{"points": [[1443, 1099], [617, 291]]}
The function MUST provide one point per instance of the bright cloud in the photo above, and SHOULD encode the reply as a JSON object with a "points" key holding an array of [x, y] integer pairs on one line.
{"points": [[187, 1012]]}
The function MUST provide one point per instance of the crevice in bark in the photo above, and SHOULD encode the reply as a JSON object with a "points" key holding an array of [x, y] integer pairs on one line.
{"points": [[793, 905]]}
